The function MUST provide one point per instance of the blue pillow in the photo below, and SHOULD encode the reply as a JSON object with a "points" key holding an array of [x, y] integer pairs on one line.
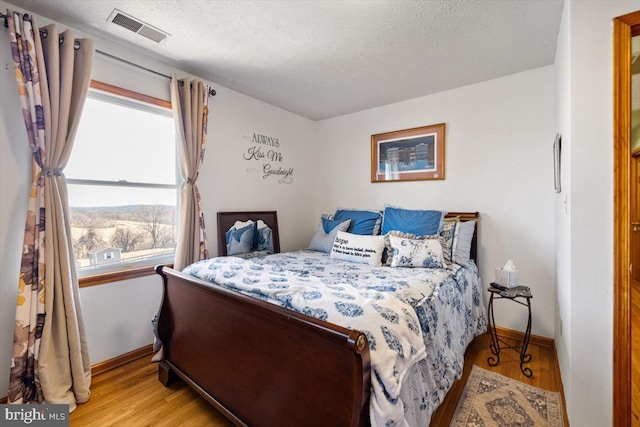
{"points": [[265, 240], [362, 222], [256, 237], [415, 222], [240, 241], [329, 224]]}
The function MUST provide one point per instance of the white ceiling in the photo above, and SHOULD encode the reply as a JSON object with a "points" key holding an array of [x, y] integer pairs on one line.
{"points": [[322, 59]]}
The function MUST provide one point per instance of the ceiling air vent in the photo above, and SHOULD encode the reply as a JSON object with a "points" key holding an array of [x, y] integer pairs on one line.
{"points": [[132, 24]]}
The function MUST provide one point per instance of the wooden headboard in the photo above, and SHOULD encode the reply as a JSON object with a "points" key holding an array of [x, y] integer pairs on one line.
{"points": [[469, 216], [227, 219]]}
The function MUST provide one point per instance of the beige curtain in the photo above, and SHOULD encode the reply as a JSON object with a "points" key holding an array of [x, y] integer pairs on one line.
{"points": [[190, 103], [51, 360]]}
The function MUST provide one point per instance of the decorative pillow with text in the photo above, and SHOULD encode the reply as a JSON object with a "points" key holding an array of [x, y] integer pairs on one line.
{"points": [[358, 248]]}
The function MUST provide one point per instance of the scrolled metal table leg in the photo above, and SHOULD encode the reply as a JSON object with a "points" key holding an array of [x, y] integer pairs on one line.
{"points": [[495, 344], [524, 356]]}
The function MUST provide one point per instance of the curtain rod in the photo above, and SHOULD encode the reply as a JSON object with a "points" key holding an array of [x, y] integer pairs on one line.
{"points": [[212, 92]]}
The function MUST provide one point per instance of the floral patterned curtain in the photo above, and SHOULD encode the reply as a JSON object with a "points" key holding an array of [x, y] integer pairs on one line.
{"points": [[50, 355], [190, 103]]}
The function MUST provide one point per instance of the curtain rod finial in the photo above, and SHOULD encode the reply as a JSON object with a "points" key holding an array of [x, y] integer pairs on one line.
{"points": [[212, 92]]}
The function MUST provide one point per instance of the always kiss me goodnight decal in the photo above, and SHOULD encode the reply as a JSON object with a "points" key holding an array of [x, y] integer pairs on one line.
{"points": [[266, 151]]}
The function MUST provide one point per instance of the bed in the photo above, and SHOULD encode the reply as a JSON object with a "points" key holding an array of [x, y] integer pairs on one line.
{"points": [[261, 358]]}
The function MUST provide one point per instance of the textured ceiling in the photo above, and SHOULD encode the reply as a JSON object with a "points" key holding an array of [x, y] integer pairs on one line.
{"points": [[322, 59]]}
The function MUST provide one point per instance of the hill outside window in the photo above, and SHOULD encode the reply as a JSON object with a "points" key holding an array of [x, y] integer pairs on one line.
{"points": [[122, 179]]}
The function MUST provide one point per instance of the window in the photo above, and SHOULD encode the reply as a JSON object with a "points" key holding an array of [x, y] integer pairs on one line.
{"points": [[122, 180]]}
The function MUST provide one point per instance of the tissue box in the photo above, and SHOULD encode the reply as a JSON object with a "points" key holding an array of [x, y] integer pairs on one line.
{"points": [[507, 278]]}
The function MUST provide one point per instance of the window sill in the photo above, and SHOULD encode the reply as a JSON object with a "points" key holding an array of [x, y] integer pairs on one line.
{"points": [[116, 276]]}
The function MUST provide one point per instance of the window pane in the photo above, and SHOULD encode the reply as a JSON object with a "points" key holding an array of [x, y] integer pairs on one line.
{"points": [[118, 227], [115, 142]]}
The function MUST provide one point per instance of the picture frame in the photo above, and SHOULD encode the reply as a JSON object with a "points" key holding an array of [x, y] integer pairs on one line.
{"points": [[408, 155], [557, 151]]}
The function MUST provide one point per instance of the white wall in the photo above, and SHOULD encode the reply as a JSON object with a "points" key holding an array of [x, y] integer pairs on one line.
{"points": [[229, 182], [499, 136], [563, 328], [117, 315], [590, 124]]}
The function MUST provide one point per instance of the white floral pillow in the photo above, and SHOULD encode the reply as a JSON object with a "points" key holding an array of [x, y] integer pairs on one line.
{"points": [[445, 238], [386, 256], [425, 253]]}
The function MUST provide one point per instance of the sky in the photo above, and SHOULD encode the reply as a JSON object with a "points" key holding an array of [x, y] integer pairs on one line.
{"points": [[116, 143]]}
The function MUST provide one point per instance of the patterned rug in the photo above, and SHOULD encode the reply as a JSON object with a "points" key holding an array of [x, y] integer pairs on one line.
{"points": [[490, 399]]}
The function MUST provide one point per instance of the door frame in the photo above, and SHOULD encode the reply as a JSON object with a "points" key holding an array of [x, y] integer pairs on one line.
{"points": [[624, 27]]}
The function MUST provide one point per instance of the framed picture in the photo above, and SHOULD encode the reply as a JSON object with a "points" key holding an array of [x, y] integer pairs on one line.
{"points": [[557, 150], [408, 155]]}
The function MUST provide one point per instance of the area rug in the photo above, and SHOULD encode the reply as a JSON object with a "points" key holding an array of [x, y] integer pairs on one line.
{"points": [[490, 399]]}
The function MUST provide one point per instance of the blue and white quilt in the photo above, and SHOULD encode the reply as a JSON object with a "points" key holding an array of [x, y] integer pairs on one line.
{"points": [[387, 304]]}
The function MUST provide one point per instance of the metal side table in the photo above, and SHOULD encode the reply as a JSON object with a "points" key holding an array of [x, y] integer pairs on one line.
{"points": [[521, 295]]}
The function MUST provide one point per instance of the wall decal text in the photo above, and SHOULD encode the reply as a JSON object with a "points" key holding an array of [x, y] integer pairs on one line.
{"points": [[266, 150]]}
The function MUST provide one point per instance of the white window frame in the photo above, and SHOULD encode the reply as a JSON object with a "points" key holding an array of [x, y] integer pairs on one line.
{"points": [[123, 97]]}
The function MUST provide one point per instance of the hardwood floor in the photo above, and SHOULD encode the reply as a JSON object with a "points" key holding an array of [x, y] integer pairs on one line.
{"points": [[131, 394]]}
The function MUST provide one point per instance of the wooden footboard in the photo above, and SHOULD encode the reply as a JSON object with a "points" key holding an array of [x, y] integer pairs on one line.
{"points": [[261, 365]]}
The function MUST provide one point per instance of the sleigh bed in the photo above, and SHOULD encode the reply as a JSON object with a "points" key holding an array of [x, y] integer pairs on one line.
{"points": [[267, 364]]}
